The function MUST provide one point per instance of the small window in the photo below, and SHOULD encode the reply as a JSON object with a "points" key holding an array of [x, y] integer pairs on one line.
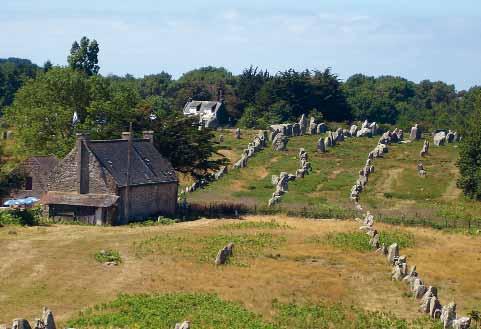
{"points": [[28, 184]]}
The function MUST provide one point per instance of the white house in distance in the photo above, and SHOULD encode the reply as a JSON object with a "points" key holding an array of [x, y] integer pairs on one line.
{"points": [[207, 111]]}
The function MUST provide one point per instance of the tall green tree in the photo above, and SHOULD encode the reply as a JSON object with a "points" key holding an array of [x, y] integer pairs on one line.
{"points": [[84, 56], [469, 162]]}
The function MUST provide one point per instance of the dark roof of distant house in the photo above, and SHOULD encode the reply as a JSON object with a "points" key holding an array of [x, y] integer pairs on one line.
{"points": [[148, 166], [202, 106]]}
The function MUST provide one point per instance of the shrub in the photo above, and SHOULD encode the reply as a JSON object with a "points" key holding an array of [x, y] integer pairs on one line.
{"points": [[108, 256], [24, 217]]}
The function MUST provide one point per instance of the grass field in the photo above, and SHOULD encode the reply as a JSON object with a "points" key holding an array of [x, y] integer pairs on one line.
{"points": [[283, 270], [394, 190]]}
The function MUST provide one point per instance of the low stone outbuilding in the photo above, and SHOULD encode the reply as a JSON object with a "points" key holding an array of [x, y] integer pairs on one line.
{"points": [[112, 182], [34, 172]]}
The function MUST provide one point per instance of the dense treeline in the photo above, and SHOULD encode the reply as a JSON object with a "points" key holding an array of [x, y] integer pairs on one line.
{"points": [[256, 98], [14, 72]]}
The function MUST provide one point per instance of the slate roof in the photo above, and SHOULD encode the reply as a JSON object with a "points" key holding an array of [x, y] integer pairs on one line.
{"points": [[88, 200], [147, 165]]}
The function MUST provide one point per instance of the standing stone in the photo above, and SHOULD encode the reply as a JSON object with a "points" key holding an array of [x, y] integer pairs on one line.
{"points": [[321, 146], [435, 308], [418, 289], [279, 143], [426, 299], [296, 129], [392, 252], [237, 133], [353, 130], [439, 138], [462, 323], [303, 124], [283, 183], [415, 133], [224, 254], [321, 128], [450, 136], [183, 325], [288, 130], [448, 315], [21, 324], [312, 126], [328, 141]]}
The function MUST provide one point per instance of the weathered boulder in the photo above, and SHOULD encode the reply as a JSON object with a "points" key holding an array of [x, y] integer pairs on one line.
{"points": [[274, 200], [21, 324], [426, 299], [296, 129], [312, 126], [303, 124], [283, 183], [280, 142], [448, 315], [450, 136], [418, 288], [321, 128], [321, 146], [439, 138], [353, 130], [392, 252], [462, 323], [415, 133], [224, 254], [435, 308], [183, 325]]}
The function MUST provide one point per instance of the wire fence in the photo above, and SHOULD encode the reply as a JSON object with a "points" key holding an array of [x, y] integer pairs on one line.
{"points": [[236, 210]]}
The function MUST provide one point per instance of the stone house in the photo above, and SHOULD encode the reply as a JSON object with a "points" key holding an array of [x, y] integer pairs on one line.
{"points": [[34, 172], [112, 182]]}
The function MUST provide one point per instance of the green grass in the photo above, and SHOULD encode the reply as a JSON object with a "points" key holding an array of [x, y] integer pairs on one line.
{"points": [[359, 241], [105, 256], [204, 248], [207, 311], [394, 191], [246, 225]]}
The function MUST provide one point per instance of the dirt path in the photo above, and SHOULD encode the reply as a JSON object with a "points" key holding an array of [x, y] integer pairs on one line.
{"points": [[392, 176], [452, 191]]}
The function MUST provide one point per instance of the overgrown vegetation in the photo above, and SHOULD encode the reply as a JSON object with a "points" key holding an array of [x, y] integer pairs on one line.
{"points": [[204, 248], [108, 256], [23, 217], [359, 241], [206, 311]]}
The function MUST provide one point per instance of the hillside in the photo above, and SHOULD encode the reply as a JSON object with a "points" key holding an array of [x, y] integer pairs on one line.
{"points": [[283, 270], [395, 191]]}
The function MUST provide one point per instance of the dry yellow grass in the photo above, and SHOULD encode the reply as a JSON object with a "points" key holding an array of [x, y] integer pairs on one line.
{"points": [[55, 266]]}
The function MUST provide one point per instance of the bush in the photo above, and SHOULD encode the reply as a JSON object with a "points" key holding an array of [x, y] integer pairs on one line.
{"points": [[24, 217], [108, 256]]}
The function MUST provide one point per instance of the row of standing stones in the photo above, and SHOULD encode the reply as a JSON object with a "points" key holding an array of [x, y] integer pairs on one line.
{"points": [[45, 322], [428, 295]]}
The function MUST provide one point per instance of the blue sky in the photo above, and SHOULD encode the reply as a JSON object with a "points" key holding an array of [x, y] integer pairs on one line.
{"points": [[423, 39]]}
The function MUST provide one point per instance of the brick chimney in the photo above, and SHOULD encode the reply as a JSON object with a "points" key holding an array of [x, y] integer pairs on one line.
{"points": [[82, 164], [148, 134]]}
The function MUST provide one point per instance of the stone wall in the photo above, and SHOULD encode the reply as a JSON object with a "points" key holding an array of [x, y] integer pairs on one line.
{"points": [[65, 176], [149, 200]]}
